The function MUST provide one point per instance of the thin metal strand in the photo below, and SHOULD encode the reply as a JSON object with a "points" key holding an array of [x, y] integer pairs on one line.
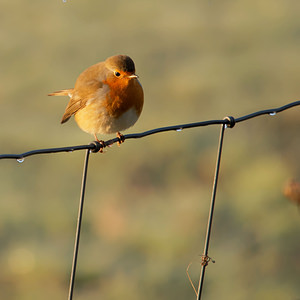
{"points": [[78, 227], [211, 213], [94, 145]]}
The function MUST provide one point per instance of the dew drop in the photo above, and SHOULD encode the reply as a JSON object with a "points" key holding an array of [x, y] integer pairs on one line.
{"points": [[20, 160], [272, 114], [179, 129]]}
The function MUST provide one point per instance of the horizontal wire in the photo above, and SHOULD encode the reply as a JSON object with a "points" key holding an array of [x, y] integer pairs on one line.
{"points": [[268, 111], [96, 146], [46, 151]]}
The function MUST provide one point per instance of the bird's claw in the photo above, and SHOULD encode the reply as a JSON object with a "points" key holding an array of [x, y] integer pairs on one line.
{"points": [[101, 142], [121, 138]]}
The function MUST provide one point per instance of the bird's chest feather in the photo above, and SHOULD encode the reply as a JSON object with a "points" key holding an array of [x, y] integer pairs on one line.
{"points": [[122, 96]]}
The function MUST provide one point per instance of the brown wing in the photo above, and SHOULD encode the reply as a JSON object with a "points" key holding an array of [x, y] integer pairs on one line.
{"points": [[88, 86], [73, 106], [81, 97]]}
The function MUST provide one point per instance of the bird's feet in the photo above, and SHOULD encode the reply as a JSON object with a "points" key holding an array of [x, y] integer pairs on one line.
{"points": [[121, 138], [101, 142]]}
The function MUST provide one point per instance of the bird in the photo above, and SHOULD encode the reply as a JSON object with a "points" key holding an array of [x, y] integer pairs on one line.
{"points": [[107, 97]]}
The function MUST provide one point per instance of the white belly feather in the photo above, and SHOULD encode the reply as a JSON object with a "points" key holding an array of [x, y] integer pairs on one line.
{"points": [[93, 120]]}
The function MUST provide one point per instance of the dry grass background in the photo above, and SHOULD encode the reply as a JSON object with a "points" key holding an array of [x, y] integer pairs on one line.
{"points": [[147, 202]]}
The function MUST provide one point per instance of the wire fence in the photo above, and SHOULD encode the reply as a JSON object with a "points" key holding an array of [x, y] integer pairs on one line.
{"points": [[94, 147]]}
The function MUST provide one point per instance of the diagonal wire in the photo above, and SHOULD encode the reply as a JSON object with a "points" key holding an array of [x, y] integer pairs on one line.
{"points": [[205, 257], [78, 228]]}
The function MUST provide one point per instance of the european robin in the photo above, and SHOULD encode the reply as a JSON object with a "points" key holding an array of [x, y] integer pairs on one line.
{"points": [[107, 97]]}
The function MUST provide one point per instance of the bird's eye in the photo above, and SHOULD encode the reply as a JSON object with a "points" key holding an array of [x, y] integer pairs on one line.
{"points": [[117, 74]]}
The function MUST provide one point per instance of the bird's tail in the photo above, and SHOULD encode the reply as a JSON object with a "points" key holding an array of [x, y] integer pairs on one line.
{"points": [[67, 92]]}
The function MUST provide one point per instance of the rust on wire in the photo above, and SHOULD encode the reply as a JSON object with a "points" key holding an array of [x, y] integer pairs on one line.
{"points": [[205, 259]]}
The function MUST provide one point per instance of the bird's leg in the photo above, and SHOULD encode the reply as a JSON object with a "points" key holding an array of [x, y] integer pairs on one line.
{"points": [[101, 142], [121, 138]]}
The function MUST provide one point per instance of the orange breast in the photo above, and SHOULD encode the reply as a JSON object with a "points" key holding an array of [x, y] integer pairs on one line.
{"points": [[125, 93]]}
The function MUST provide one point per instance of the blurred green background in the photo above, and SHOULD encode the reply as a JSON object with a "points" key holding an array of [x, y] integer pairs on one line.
{"points": [[147, 202]]}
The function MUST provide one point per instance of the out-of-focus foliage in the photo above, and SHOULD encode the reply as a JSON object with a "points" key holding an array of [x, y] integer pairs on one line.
{"points": [[147, 202]]}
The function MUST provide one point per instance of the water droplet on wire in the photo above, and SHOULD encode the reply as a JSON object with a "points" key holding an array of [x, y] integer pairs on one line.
{"points": [[20, 160], [179, 129], [272, 113]]}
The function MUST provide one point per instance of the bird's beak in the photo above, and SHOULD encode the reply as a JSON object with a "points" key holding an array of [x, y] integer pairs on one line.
{"points": [[133, 76]]}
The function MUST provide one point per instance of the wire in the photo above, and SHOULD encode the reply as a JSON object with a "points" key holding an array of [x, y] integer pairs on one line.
{"points": [[96, 146]]}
